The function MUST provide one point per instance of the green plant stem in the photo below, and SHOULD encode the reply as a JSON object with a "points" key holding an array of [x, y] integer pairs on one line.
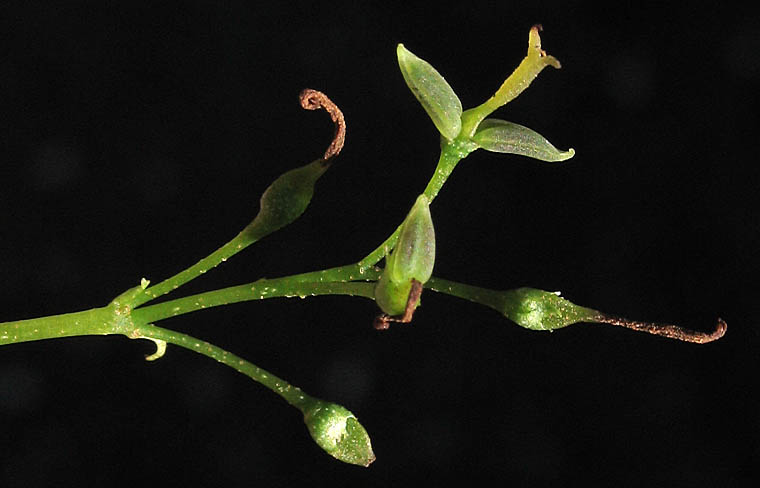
{"points": [[252, 233], [349, 272], [291, 394], [258, 290], [476, 294], [122, 319], [109, 320], [97, 321], [451, 154]]}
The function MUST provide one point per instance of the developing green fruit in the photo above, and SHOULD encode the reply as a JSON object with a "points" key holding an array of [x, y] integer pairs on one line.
{"points": [[409, 265], [288, 196], [392, 297], [414, 254]]}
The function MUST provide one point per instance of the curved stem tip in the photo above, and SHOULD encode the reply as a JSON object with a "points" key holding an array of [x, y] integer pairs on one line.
{"points": [[314, 100]]}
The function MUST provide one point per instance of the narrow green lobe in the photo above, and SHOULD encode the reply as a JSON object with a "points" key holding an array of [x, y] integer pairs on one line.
{"points": [[432, 91], [500, 136]]}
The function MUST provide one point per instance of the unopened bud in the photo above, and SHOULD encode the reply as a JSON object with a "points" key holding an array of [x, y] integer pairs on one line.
{"points": [[338, 433]]}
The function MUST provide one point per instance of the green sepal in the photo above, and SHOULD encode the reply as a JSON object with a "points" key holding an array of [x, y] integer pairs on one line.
{"points": [[433, 92], [337, 431], [287, 197], [542, 310], [500, 136]]}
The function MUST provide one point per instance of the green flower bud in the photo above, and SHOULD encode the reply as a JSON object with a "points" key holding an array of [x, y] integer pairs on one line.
{"points": [[433, 92], [412, 259], [338, 433]]}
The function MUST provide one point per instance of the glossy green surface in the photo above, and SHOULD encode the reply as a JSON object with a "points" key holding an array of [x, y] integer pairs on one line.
{"points": [[391, 296], [433, 92], [506, 137], [337, 431], [542, 310], [527, 307], [412, 259], [414, 254], [287, 198]]}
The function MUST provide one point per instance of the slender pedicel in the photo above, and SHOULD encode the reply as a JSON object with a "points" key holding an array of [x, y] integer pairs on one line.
{"points": [[284, 200]]}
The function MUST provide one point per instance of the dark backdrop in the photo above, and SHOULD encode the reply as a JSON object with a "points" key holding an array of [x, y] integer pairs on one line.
{"points": [[138, 138]]}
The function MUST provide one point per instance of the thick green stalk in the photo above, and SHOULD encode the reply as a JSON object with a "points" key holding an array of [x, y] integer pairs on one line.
{"points": [[258, 290], [119, 317], [98, 321]]}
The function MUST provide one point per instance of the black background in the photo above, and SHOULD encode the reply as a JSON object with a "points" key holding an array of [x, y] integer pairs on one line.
{"points": [[138, 138]]}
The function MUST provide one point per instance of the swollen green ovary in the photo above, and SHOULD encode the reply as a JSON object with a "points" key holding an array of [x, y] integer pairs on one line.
{"points": [[392, 296]]}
